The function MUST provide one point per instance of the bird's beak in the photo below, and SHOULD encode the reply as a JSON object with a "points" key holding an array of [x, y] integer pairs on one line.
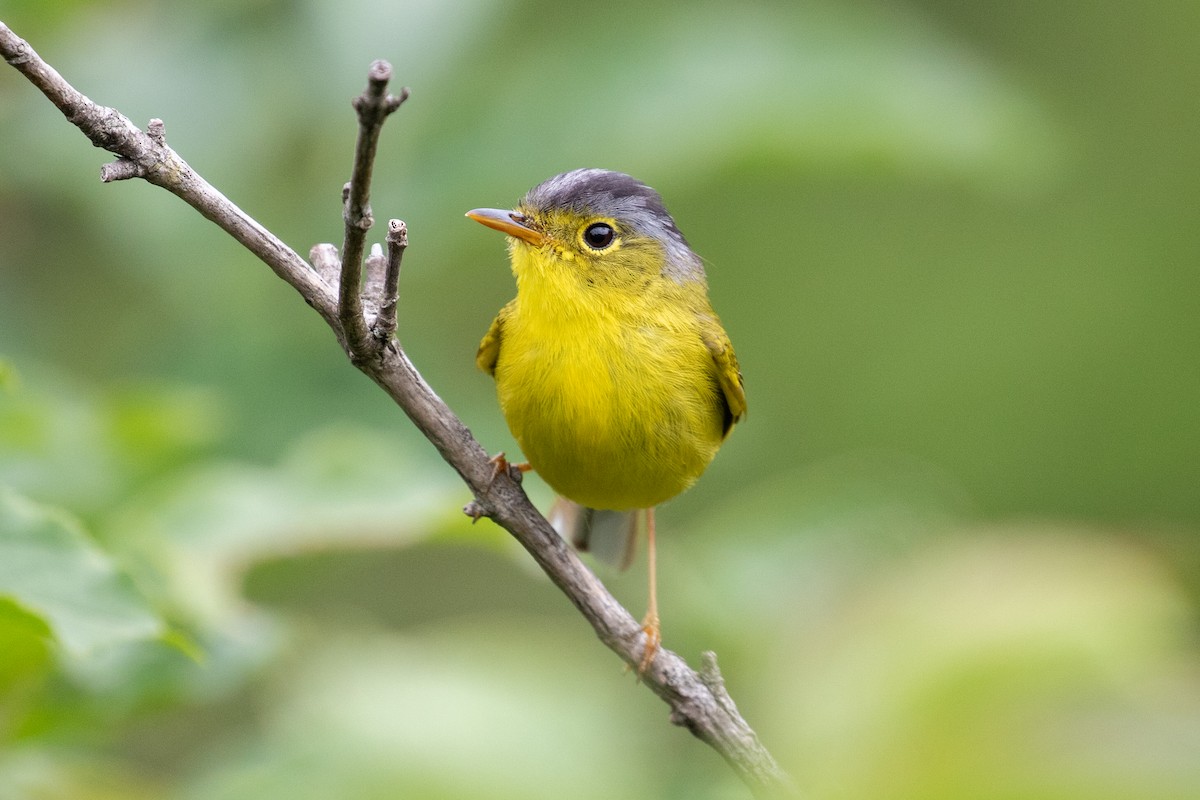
{"points": [[513, 223]]}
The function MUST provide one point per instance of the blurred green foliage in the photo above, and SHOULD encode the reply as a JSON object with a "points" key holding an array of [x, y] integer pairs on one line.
{"points": [[951, 553]]}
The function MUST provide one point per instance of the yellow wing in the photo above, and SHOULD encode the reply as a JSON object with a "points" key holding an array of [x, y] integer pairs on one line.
{"points": [[729, 375], [489, 348]]}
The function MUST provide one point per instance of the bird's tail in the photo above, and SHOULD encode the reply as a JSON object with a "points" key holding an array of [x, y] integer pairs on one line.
{"points": [[611, 536]]}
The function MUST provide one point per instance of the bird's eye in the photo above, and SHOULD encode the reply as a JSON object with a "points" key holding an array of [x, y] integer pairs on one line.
{"points": [[599, 235]]}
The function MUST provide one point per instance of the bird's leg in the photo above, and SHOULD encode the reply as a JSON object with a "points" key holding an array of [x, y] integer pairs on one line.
{"points": [[650, 623], [500, 466]]}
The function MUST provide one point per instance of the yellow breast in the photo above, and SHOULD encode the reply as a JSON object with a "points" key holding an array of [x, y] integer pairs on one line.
{"points": [[615, 404]]}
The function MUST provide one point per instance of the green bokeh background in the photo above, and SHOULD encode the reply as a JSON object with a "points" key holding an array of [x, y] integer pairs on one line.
{"points": [[951, 553]]}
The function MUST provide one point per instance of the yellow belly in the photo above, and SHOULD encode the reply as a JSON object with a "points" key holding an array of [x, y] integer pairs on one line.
{"points": [[611, 415]]}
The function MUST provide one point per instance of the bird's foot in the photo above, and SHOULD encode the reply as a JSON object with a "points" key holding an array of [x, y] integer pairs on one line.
{"points": [[501, 466], [653, 633]]}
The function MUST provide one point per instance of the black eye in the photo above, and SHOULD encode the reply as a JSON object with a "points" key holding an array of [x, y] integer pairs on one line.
{"points": [[599, 235]]}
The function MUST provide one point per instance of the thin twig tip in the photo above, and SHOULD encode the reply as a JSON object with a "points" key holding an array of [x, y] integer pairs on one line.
{"points": [[380, 71], [397, 233], [394, 101]]}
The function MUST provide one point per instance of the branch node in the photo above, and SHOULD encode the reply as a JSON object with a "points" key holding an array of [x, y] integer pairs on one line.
{"points": [[157, 132], [20, 54], [710, 676], [374, 104], [710, 672], [121, 170], [394, 101], [475, 510]]}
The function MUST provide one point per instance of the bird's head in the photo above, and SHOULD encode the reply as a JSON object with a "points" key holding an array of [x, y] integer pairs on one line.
{"points": [[597, 225]]}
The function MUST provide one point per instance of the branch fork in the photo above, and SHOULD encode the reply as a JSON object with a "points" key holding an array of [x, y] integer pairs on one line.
{"points": [[362, 314], [374, 106]]}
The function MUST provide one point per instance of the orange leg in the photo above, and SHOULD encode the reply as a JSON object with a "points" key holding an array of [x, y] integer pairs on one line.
{"points": [[500, 465], [650, 623]]}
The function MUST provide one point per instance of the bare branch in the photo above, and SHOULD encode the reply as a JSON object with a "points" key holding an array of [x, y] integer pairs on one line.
{"points": [[397, 242], [698, 702], [374, 106]]}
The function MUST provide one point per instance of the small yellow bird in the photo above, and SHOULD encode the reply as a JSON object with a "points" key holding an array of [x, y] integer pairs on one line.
{"points": [[613, 372]]}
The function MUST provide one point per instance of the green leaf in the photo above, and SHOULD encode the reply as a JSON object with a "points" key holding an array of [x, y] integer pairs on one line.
{"points": [[51, 570]]}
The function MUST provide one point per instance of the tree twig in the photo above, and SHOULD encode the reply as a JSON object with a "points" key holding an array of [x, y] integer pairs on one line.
{"points": [[389, 297], [698, 701], [374, 106]]}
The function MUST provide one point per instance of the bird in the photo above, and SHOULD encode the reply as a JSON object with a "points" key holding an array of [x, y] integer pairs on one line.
{"points": [[613, 372]]}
